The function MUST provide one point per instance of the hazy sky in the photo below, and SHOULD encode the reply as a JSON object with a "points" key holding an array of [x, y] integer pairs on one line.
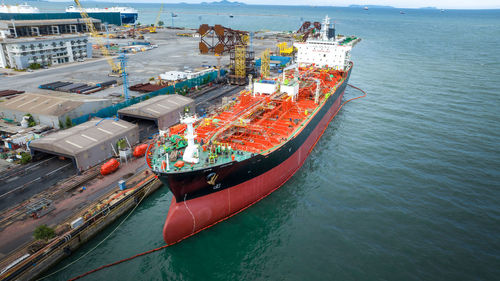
{"points": [[446, 4]]}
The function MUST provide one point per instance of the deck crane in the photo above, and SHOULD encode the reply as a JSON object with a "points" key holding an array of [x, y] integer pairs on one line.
{"points": [[115, 68], [153, 28]]}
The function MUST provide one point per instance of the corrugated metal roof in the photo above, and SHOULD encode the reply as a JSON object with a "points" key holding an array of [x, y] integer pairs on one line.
{"points": [[84, 136], [19, 23], [156, 107], [45, 104]]}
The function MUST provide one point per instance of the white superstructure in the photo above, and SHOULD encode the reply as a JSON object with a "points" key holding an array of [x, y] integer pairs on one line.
{"points": [[18, 9], [125, 10], [327, 50]]}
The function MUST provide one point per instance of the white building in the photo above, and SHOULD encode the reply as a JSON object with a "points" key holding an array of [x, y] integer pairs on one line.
{"points": [[20, 53]]}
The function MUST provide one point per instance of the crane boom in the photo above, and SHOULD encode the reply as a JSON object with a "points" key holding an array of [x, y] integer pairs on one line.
{"points": [[153, 29], [90, 26]]}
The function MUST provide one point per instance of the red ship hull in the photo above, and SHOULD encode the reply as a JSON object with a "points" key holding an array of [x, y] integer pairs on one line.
{"points": [[186, 218]]}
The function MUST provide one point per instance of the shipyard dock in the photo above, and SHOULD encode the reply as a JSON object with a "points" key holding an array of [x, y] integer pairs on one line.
{"points": [[61, 186]]}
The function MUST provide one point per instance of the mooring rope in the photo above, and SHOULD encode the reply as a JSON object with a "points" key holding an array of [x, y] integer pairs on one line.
{"points": [[193, 233]]}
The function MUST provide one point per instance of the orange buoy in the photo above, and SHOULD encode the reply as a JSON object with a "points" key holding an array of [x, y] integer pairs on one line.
{"points": [[179, 164]]}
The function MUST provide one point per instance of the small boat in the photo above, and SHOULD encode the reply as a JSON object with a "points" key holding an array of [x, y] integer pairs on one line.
{"points": [[231, 16], [365, 8], [402, 12]]}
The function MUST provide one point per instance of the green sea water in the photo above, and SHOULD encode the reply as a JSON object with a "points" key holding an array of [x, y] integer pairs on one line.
{"points": [[403, 185]]}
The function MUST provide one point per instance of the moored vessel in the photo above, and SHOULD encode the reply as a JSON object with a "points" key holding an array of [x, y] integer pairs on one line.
{"points": [[127, 14], [221, 164], [18, 9]]}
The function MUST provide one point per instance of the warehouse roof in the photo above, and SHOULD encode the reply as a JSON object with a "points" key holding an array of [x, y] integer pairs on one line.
{"points": [[19, 23], [56, 104], [156, 107], [84, 136]]}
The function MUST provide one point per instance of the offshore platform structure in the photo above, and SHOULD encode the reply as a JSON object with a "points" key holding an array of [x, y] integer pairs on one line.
{"points": [[219, 39], [307, 30]]}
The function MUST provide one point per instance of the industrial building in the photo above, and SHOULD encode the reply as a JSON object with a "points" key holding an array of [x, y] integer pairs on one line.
{"points": [[163, 110], [88, 144], [110, 18], [20, 53], [51, 109], [28, 28]]}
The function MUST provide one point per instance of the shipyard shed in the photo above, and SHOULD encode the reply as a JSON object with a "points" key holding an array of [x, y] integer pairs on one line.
{"points": [[51, 109], [163, 110], [87, 144]]}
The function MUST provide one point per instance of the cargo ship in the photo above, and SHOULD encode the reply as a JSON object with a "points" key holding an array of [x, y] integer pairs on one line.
{"points": [[219, 165], [127, 14], [18, 9]]}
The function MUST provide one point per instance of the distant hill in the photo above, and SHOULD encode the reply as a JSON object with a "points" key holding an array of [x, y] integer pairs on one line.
{"points": [[223, 3], [428, 8], [371, 6]]}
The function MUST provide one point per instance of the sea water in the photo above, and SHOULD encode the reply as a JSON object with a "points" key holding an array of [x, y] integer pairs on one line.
{"points": [[403, 185]]}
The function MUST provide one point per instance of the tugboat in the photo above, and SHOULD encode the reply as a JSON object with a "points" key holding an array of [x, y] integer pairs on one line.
{"points": [[221, 164]]}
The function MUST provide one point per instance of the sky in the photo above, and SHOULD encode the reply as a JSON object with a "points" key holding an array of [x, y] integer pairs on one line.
{"points": [[442, 4]]}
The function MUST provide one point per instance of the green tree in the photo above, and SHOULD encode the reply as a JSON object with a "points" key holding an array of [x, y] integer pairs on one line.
{"points": [[35, 66], [69, 124], [31, 120], [44, 232], [61, 125], [121, 144], [25, 158], [161, 23]]}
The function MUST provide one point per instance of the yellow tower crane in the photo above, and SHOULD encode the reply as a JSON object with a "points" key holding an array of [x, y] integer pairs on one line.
{"points": [[115, 68], [265, 60]]}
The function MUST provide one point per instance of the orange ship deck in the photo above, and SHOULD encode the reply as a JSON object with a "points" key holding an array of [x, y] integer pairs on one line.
{"points": [[259, 123]]}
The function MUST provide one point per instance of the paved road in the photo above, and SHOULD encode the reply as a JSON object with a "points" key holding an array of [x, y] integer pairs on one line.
{"points": [[173, 53], [25, 181]]}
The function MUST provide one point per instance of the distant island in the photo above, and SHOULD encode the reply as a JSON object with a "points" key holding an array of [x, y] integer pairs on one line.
{"points": [[429, 8], [372, 6], [223, 3]]}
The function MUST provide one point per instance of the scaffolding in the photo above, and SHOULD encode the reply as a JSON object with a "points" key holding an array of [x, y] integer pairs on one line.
{"points": [[284, 49], [242, 63], [264, 64], [239, 60], [39, 208]]}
